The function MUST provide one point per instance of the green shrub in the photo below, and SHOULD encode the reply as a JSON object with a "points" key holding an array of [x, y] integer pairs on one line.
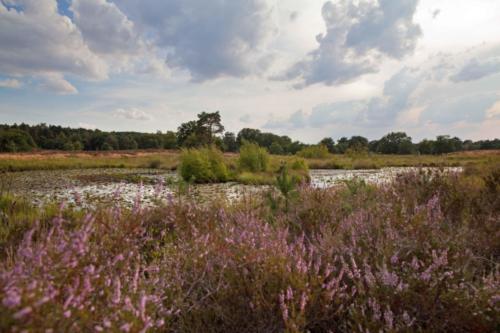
{"points": [[315, 151], [299, 164], [253, 158], [204, 165]]}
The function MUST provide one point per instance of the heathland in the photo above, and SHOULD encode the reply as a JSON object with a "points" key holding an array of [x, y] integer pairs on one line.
{"points": [[200, 240], [417, 254]]}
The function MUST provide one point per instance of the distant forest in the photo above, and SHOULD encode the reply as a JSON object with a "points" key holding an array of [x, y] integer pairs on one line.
{"points": [[207, 130]]}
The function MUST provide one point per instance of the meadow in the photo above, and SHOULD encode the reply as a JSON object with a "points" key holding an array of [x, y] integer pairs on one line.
{"points": [[169, 160]]}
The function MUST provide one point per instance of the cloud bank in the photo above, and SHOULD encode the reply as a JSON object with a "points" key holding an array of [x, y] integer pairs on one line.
{"points": [[358, 36]]}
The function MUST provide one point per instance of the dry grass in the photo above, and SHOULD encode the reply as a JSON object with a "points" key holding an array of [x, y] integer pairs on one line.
{"points": [[169, 159]]}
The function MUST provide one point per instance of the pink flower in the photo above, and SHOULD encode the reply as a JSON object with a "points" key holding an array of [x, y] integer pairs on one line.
{"points": [[24, 312], [12, 299], [117, 293]]}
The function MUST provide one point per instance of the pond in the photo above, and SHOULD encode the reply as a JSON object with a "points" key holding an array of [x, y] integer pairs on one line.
{"points": [[89, 187]]}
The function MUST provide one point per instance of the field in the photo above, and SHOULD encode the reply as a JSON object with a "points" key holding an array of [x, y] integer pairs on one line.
{"points": [[415, 252], [169, 159]]}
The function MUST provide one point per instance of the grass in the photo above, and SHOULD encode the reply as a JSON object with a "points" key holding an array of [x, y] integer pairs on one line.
{"points": [[169, 160], [57, 161], [417, 255]]}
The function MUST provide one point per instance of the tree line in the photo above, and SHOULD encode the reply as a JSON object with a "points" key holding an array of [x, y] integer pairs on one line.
{"points": [[208, 130]]}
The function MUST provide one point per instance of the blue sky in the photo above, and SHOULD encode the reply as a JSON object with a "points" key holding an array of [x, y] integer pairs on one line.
{"points": [[307, 69]]}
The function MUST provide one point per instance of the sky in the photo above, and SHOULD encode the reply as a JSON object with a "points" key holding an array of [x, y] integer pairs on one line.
{"points": [[307, 69]]}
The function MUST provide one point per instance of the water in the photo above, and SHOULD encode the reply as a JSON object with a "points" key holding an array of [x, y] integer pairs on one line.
{"points": [[91, 187]]}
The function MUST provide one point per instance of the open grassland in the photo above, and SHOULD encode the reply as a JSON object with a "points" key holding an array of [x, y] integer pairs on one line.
{"points": [[420, 254], [169, 159]]}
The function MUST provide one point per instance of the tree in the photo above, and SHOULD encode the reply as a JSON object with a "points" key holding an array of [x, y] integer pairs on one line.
{"points": [[395, 143], [342, 144], [200, 132], [426, 147], [209, 125], [15, 140], [186, 130], [169, 140], [276, 149], [229, 142], [358, 143], [126, 142], [328, 143]]}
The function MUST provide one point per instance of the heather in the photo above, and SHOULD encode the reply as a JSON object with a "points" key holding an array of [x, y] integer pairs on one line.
{"points": [[419, 254]]}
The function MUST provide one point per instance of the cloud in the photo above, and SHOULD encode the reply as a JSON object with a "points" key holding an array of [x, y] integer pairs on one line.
{"points": [[471, 108], [210, 39], [105, 28], [396, 97], [339, 113], [476, 69], [246, 118], [358, 36], [375, 111], [55, 82], [297, 119], [494, 111], [87, 126], [133, 114], [10, 83], [36, 39]]}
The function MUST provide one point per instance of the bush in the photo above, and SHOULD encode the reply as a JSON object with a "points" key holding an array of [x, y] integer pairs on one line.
{"points": [[204, 165], [253, 158], [299, 164], [315, 151]]}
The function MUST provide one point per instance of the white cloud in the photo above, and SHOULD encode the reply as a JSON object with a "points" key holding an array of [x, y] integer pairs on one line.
{"points": [[87, 126], [106, 29], [10, 83], [358, 36], [55, 82], [476, 69], [494, 111], [132, 114], [38, 40], [210, 39]]}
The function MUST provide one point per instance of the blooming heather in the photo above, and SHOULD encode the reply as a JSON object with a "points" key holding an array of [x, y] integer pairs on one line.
{"points": [[420, 254]]}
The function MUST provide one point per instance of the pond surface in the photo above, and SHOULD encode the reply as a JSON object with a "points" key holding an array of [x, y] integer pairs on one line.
{"points": [[90, 187], [328, 178]]}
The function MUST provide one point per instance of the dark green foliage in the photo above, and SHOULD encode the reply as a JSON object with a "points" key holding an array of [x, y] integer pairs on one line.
{"points": [[63, 138], [15, 140], [229, 142], [395, 143], [207, 130], [276, 149], [267, 140], [330, 144], [204, 131]]}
